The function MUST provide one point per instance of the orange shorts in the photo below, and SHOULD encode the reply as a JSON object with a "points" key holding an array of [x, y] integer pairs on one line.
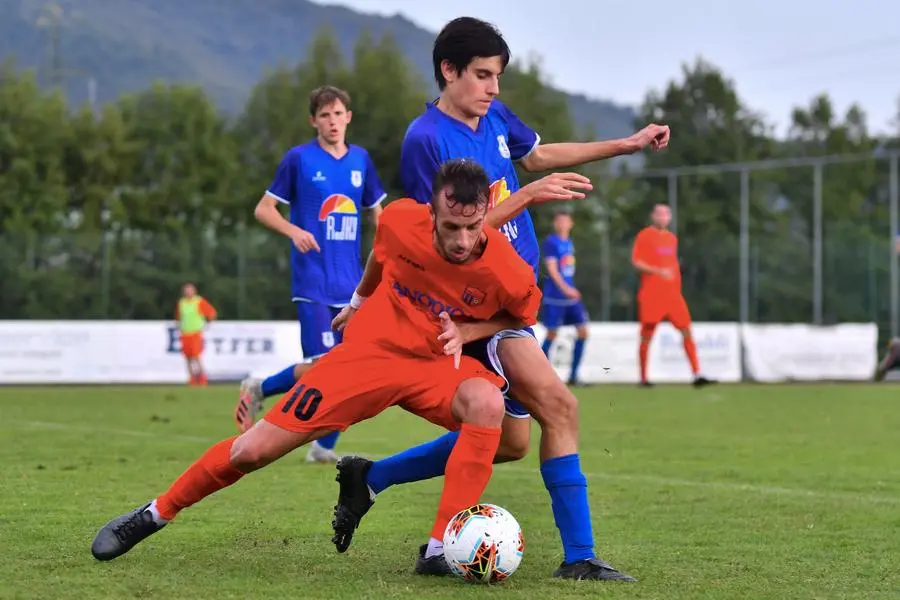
{"points": [[353, 383], [675, 310], [192, 345]]}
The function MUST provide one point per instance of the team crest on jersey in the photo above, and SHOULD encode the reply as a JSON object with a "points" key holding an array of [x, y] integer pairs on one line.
{"points": [[356, 178], [473, 296], [502, 147]]}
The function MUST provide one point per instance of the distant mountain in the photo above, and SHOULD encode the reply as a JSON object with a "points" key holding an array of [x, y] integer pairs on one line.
{"points": [[224, 45]]}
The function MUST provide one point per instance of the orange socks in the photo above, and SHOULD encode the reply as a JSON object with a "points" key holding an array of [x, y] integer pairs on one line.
{"points": [[646, 336], [690, 348], [467, 474], [211, 473]]}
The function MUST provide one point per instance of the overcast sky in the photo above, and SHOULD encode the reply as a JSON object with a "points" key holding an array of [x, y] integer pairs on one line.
{"points": [[780, 53]]}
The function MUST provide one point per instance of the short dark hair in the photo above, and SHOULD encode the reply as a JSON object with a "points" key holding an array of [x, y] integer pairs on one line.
{"points": [[468, 182], [325, 95], [464, 39]]}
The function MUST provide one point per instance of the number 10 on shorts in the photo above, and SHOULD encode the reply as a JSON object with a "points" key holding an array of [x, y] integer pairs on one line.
{"points": [[309, 399]]}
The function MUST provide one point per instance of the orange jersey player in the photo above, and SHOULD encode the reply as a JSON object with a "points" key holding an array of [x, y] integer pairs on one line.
{"points": [[192, 313], [655, 256], [428, 264]]}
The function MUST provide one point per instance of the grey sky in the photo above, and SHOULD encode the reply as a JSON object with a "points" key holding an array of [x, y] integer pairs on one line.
{"points": [[780, 53]]}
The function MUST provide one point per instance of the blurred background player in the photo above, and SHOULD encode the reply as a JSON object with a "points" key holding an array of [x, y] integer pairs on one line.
{"points": [[467, 121], [562, 301], [326, 183], [655, 256], [192, 313], [891, 360]]}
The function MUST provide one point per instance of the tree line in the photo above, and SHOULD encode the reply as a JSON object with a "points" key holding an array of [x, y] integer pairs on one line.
{"points": [[105, 212]]}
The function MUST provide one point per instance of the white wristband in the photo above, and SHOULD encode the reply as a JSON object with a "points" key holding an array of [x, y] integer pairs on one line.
{"points": [[356, 301]]}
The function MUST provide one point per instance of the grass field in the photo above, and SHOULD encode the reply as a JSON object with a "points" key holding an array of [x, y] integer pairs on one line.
{"points": [[743, 492]]}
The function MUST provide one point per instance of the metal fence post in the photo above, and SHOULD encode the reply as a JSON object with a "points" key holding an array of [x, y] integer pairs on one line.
{"points": [[745, 247], [817, 244], [895, 230], [673, 200]]}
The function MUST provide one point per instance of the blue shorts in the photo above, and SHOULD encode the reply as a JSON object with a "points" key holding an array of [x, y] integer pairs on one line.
{"points": [[554, 316], [316, 335], [485, 352]]}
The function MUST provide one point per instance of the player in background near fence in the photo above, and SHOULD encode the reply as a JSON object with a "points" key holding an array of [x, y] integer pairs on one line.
{"points": [[655, 256], [192, 313], [890, 361], [326, 183], [562, 301]]}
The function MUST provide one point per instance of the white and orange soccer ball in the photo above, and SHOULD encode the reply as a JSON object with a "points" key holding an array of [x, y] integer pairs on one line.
{"points": [[483, 543]]}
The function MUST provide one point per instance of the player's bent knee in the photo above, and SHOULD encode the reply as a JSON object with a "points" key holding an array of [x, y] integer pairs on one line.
{"points": [[478, 402]]}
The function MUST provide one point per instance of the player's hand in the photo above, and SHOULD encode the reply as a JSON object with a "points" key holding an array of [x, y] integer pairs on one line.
{"points": [[572, 294], [342, 318], [558, 187], [667, 273], [304, 240], [452, 338], [653, 135]]}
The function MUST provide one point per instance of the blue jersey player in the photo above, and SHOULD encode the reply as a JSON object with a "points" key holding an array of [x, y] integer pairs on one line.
{"points": [[467, 121], [326, 184], [562, 301]]}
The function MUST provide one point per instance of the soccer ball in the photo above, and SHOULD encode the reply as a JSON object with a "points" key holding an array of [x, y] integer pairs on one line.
{"points": [[483, 543]]}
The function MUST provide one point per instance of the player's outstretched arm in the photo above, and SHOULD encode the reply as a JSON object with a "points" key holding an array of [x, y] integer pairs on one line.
{"points": [[556, 187], [564, 155]]}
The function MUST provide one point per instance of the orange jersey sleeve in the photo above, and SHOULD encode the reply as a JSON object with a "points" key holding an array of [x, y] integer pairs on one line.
{"points": [[643, 247], [207, 309]]}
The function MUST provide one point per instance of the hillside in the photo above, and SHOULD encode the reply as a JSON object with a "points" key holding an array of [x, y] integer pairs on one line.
{"points": [[224, 46]]}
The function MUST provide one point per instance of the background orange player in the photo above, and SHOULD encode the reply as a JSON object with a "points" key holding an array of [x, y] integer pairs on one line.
{"points": [[192, 313], [655, 256]]}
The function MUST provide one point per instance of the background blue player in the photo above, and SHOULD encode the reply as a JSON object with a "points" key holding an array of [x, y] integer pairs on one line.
{"points": [[562, 301], [467, 121], [326, 183]]}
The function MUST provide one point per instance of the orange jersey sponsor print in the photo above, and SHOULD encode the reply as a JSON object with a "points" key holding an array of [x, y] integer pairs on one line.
{"points": [[418, 284]]}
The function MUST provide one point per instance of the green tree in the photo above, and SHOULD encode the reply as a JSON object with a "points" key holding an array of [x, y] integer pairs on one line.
{"points": [[33, 132], [852, 215], [176, 216]]}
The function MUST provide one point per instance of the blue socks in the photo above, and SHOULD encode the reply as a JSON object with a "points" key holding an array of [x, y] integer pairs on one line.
{"points": [[415, 464], [329, 440], [568, 493], [562, 476], [279, 383], [577, 353], [548, 343]]}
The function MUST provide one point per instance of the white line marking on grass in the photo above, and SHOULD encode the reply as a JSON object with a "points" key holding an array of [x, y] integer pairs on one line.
{"points": [[736, 487], [625, 477], [125, 432]]}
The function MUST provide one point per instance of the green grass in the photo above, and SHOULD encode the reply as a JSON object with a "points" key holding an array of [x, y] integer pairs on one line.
{"points": [[743, 492]]}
